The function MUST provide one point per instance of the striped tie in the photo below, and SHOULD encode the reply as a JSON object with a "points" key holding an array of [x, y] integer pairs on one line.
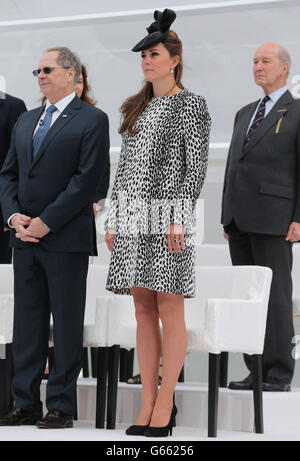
{"points": [[258, 118]]}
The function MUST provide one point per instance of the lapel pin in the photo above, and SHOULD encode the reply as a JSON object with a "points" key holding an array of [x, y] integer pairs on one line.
{"points": [[282, 110], [278, 124], [64, 115]]}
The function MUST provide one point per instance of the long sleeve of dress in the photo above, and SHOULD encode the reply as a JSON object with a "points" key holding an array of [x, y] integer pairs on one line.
{"points": [[197, 124], [112, 213]]}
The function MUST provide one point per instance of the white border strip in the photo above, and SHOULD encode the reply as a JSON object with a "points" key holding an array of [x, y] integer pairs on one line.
{"points": [[132, 13], [212, 145]]}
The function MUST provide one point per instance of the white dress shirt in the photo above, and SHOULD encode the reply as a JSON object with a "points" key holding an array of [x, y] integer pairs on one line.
{"points": [[60, 107], [270, 103]]}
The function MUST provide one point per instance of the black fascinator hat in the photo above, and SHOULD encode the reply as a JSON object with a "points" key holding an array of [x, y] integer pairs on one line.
{"points": [[157, 31]]}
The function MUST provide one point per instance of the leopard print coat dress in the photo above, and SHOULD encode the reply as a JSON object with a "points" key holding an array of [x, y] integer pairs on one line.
{"points": [[159, 177]]}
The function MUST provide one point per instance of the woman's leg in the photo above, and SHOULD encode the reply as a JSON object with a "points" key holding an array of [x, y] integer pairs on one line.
{"points": [[148, 348], [171, 313]]}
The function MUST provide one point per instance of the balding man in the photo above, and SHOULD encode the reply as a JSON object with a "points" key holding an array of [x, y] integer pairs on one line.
{"points": [[261, 204]]}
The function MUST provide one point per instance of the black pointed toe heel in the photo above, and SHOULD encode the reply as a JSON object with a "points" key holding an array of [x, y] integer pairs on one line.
{"points": [[165, 430], [136, 430]]}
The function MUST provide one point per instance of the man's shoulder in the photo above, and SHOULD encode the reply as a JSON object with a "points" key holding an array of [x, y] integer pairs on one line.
{"points": [[296, 102], [249, 106], [11, 100], [92, 111], [34, 111]]}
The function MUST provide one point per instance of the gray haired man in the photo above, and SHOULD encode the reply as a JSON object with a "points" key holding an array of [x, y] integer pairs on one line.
{"points": [[47, 183], [261, 204]]}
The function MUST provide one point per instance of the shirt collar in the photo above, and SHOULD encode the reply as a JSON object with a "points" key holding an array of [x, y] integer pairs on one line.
{"points": [[277, 94], [62, 103]]}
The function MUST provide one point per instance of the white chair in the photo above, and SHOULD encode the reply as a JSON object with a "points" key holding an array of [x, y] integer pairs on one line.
{"points": [[296, 279], [6, 334], [219, 255], [228, 314], [95, 331], [103, 257], [212, 254]]}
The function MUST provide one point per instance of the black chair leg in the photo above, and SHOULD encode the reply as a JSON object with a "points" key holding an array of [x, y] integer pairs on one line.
{"points": [[102, 367], [257, 393], [126, 364], [94, 355], [123, 360], [213, 393], [113, 371], [223, 369], [129, 364], [6, 375], [75, 416], [181, 376], [85, 367]]}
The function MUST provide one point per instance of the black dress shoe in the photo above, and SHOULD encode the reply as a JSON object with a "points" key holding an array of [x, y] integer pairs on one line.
{"points": [[18, 417], [276, 387], [245, 385], [165, 430], [136, 430], [55, 419]]}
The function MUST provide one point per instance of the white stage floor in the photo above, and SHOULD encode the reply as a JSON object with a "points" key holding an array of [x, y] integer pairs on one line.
{"points": [[85, 431], [235, 420]]}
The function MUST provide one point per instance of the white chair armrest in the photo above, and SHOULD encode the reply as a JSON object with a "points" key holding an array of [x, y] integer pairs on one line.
{"points": [[235, 325], [96, 334], [6, 317]]}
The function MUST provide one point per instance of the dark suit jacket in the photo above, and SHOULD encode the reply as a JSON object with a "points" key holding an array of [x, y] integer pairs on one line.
{"points": [[10, 109], [60, 184], [103, 185], [261, 186]]}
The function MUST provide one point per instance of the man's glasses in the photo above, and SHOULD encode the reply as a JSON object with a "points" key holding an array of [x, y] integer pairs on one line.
{"points": [[47, 70]]}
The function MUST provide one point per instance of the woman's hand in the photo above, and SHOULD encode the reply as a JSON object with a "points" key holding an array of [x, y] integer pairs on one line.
{"points": [[109, 237], [175, 238]]}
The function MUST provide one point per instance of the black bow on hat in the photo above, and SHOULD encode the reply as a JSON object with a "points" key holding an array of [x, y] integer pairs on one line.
{"points": [[157, 31]]}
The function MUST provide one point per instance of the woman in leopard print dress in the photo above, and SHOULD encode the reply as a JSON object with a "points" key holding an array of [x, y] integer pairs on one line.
{"points": [[160, 173]]}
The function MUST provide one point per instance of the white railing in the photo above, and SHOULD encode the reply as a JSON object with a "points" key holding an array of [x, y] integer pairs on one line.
{"points": [[181, 9]]}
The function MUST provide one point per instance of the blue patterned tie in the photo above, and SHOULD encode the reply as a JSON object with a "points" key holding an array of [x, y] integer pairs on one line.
{"points": [[258, 118], [42, 130]]}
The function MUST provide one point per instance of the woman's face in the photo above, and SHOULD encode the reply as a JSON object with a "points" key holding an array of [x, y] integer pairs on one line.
{"points": [[79, 86], [157, 63]]}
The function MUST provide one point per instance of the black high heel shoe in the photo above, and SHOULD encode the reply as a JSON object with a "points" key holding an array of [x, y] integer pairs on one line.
{"points": [[163, 431], [136, 430]]}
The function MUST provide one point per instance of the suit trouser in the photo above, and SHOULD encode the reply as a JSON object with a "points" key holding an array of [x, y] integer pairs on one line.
{"points": [[44, 283], [5, 250], [272, 251]]}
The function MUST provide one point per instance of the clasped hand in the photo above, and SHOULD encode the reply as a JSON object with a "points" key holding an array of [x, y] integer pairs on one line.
{"points": [[29, 229]]}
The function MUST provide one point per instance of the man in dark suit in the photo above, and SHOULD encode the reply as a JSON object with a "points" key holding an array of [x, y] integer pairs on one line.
{"points": [[10, 109], [261, 204], [57, 155]]}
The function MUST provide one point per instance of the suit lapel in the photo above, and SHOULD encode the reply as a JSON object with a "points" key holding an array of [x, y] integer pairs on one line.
{"points": [[65, 117], [279, 109], [244, 124]]}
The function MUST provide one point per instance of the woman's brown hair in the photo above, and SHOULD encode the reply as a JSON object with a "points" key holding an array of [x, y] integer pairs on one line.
{"points": [[86, 88], [132, 108]]}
